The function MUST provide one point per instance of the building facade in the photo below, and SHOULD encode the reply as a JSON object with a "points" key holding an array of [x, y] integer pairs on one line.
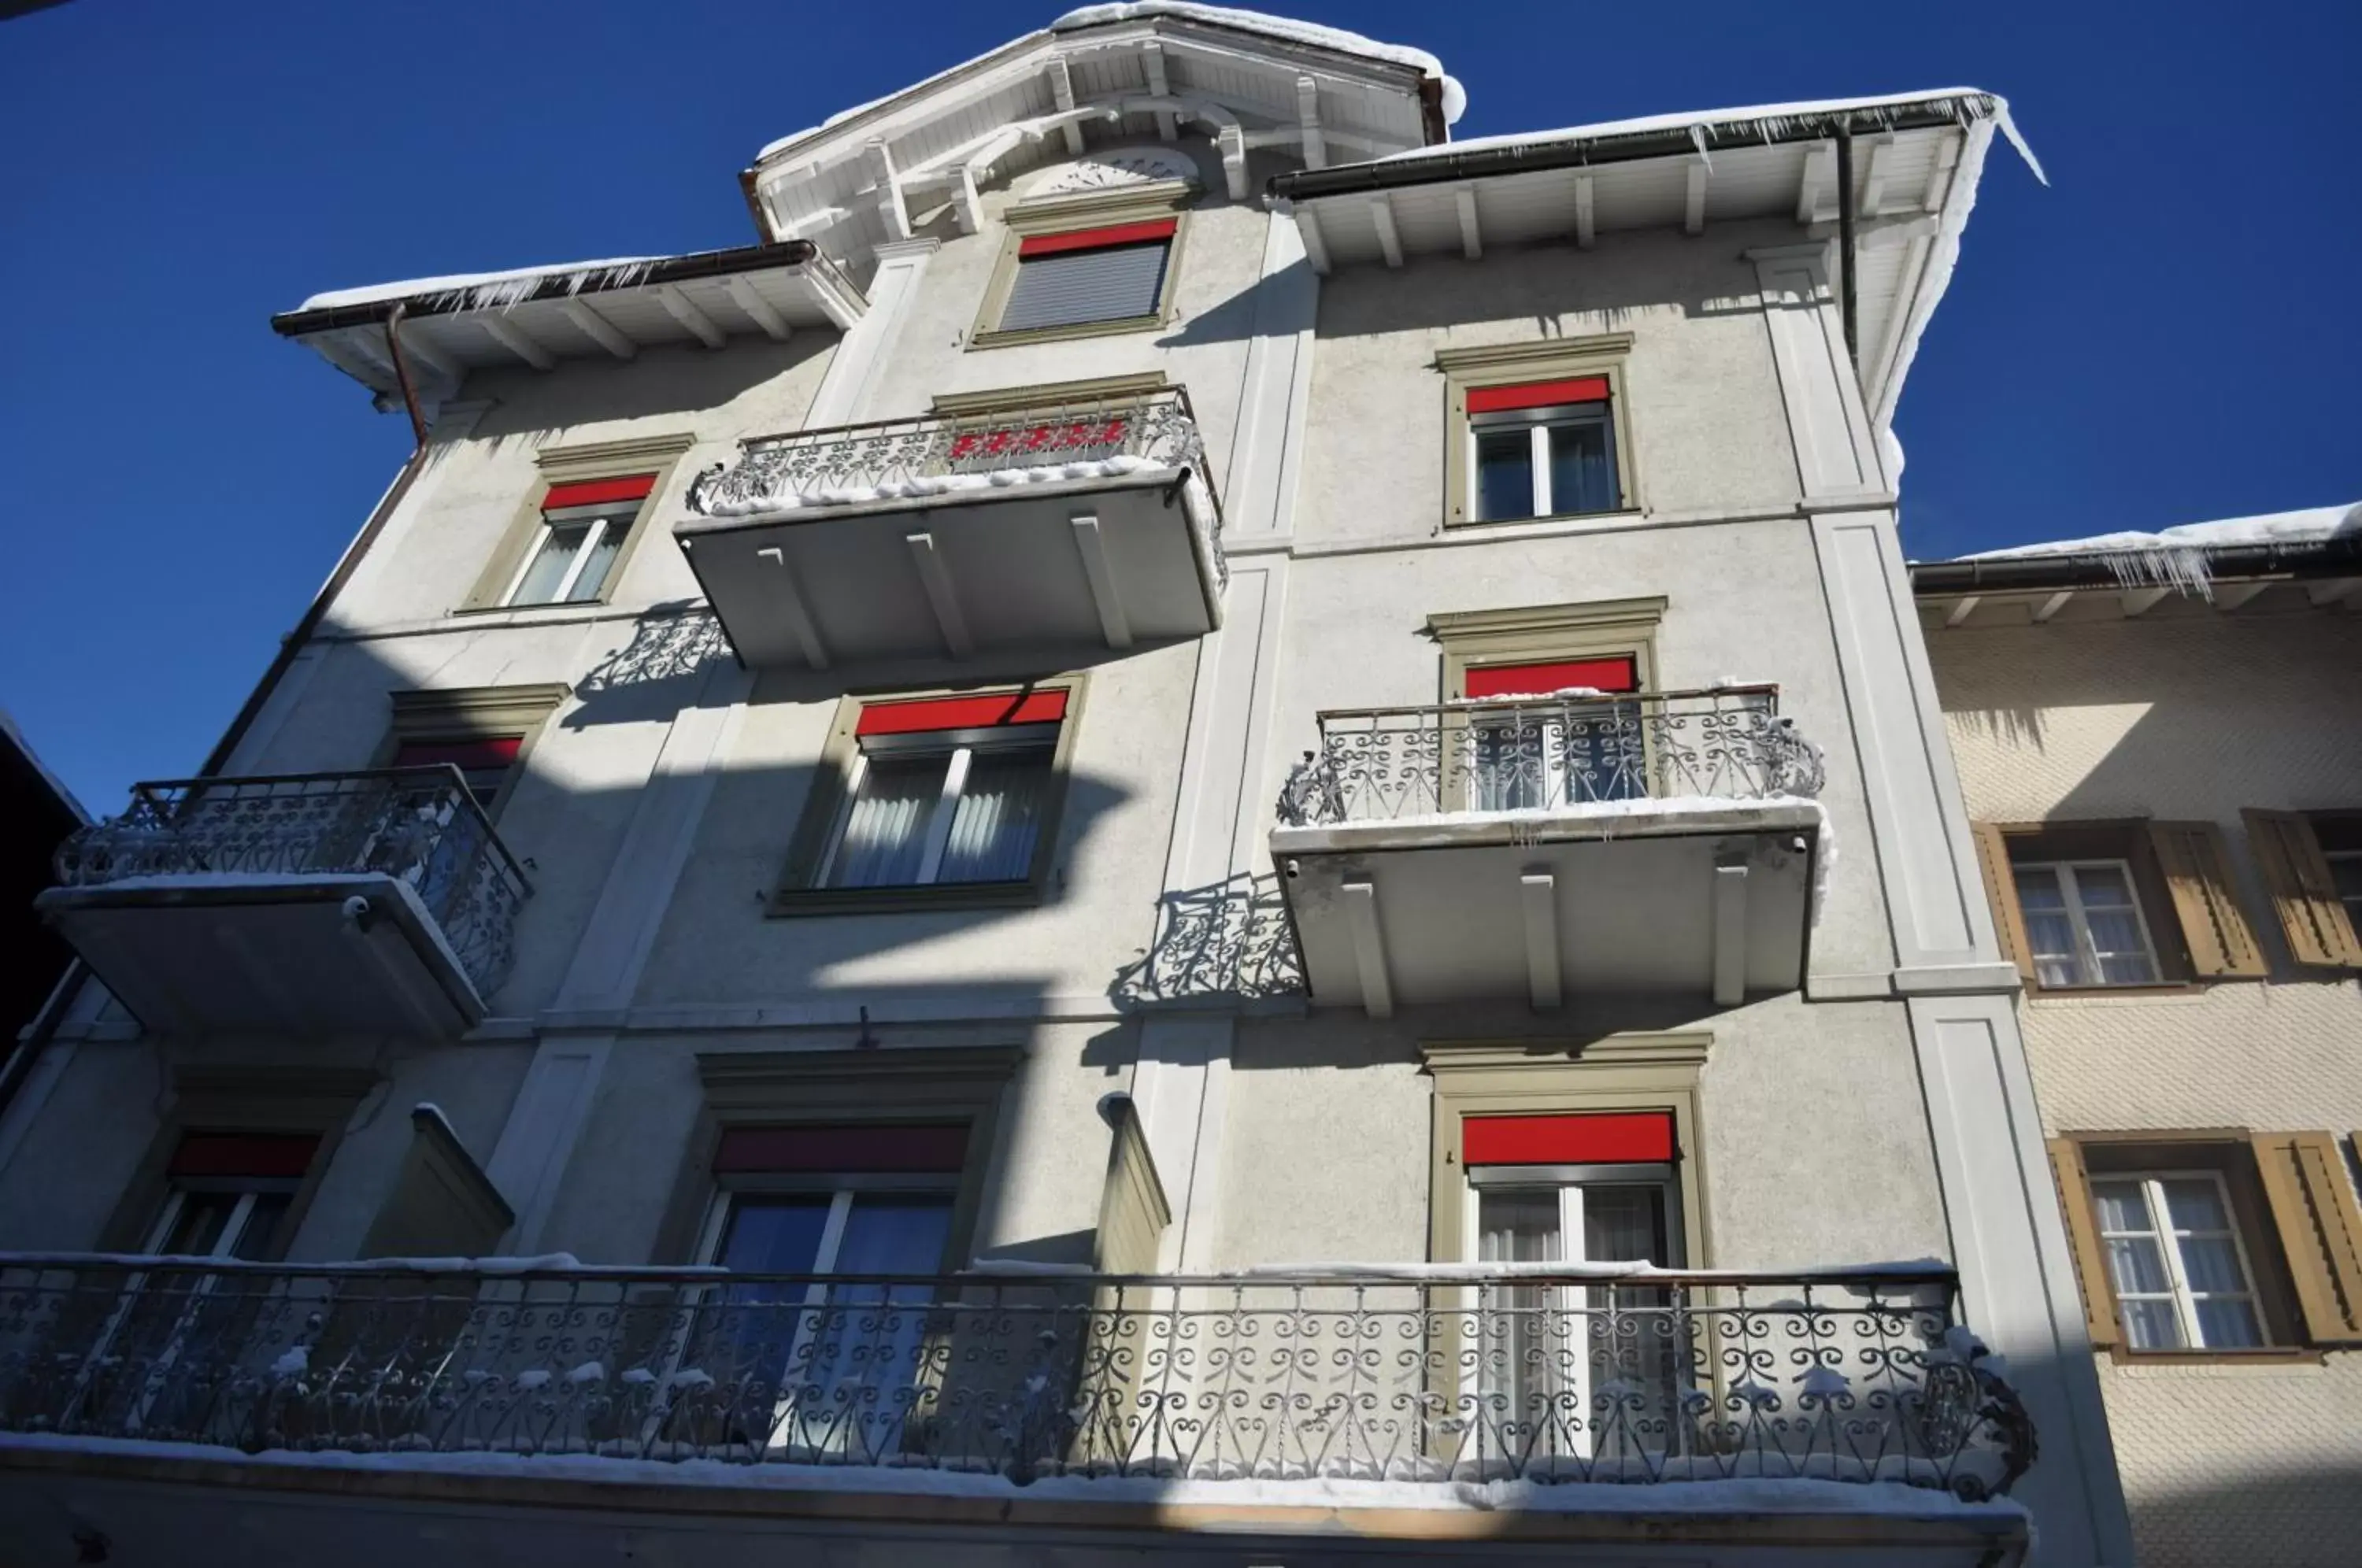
{"points": [[2160, 743], [1240, 802]]}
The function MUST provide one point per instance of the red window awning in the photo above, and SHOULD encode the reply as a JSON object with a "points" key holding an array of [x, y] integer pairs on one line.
{"points": [[275, 1154], [1619, 674], [962, 712], [468, 756], [598, 493], [1095, 239], [1537, 394], [924, 1149], [1644, 1137]]}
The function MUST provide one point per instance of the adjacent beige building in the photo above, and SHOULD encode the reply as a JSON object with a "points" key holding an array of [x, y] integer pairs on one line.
{"points": [[2161, 743]]}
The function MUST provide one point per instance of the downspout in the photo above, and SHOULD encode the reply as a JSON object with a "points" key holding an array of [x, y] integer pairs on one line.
{"points": [[1845, 249], [418, 424]]}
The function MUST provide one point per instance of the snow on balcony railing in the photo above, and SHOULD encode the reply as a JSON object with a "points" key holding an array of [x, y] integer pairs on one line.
{"points": [[419, 825], [1576, 751], [1540, 1373]]}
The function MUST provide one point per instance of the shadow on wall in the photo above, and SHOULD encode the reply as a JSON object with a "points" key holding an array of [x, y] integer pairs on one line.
{"points": [[2294, 1518]]}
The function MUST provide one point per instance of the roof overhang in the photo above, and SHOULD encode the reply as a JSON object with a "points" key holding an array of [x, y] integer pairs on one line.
{"points": [[539, 315], [1104, 75], [1917, 158]]}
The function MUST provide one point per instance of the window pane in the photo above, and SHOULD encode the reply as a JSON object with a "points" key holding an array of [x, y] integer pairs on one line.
{"points": [[2037, 888], [2151, 1325], [2229, 1324], [197, 1227], [2123, 955], [2212, 1264], [2104, 888], [888, 1235], [2195, 1204], [1582, 469], [2135, 1265], [550, 567], [998, 820], [602, 560], [885, 835], [1517, 1227], [1515, 756], [2123, 1206], [1505, 473], [774, 1235], [1623, 1224], [254, 1239]]}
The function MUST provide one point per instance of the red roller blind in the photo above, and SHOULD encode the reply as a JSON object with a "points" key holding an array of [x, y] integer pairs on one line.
{"points": [[465, 756], [244, 1154], [1620, 674], [962, 712], [1095, 239], [598, 493], [1537, 394], [787, 1150], [1606, 1138]]}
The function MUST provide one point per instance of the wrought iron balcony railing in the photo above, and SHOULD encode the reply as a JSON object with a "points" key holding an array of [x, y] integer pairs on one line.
{"points": [[419, 825], [1559, 752], [1493, 1372], [941, 455]]}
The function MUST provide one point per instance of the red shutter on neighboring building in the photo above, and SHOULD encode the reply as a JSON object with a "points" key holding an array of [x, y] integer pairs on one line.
{"points": [[1605, 1138], [1537, 394], [598, 493], [747, 1151], [1095, 239], [244, 1154], [1619, 674], [468, 756], [962, 712]]}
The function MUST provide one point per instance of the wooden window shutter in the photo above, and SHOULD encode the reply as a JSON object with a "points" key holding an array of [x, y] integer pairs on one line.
{"points": [[2001, 891], [2083, 1241], [2321, 1230], [2303, 895], [2197, 869]]}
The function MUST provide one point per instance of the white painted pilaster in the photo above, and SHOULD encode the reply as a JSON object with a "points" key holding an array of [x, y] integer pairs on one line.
{"points": [[844, 393], [1836, 456]]}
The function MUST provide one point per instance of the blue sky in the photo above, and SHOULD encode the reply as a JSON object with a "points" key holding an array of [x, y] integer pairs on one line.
{"points": [[2170, 333]]}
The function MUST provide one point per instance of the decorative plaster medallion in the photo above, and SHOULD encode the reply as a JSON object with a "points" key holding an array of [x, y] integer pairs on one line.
{"points": [[1113, 169]]}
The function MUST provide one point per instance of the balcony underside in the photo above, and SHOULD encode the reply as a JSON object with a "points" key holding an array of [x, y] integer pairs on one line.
{"points": [[1076, 563], [269, 953], [1490, 907], [389, 1512]]}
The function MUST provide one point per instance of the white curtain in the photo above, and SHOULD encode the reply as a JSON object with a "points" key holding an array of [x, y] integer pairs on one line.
{"points": [[886, 833], [999, 818]]}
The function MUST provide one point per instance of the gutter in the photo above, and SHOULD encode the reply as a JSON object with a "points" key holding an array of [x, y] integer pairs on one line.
{"points": [[2299, 560], [1632, 146], [557, 285]]}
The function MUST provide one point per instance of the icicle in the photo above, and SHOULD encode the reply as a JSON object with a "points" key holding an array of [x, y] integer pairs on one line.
{"points": [[1697, 139], [2009, 129]]}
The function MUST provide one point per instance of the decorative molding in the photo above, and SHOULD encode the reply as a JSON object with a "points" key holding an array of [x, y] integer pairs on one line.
{"points": [[1676, 1050], [886, 1080], [1543, 619], [1049, 394], [604, 454], [492, 710], [305, 1095], [1519, 356], [1115, 167], [1051, 213]]}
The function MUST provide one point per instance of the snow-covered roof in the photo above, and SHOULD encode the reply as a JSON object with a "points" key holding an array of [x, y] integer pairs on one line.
{"points": [[488, 290], [2308, 527]]}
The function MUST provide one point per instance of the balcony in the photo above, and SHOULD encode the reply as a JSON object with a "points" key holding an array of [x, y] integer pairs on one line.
{"points": [[305, 905], [1374, 1388], [1074, 525], [1531, 846]]}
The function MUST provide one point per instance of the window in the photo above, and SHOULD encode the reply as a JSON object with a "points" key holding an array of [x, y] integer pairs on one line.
{"points": [[1537, 429], [2090, 906], [2176, 1262], [230, 1194], [937, 798], [1541, 449], [1559, 751], [2219, 1243], [2083, 926], [2312, 863], [484, 764], [583, 527], [485, 732], [1595, 1187], [1080, 265]]}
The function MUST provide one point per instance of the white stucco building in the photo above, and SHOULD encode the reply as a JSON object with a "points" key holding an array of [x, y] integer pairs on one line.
{"points": [[2161, 742], [1244, 803]]}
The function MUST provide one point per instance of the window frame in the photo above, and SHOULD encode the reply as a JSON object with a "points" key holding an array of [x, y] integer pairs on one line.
{"points": [[828, 803], [1153, 202], [469, 714], [2179, 1293], [2087, 955], [942, 815], [504, 571], [1538, 424], [1605, 356], [601, 520]]}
